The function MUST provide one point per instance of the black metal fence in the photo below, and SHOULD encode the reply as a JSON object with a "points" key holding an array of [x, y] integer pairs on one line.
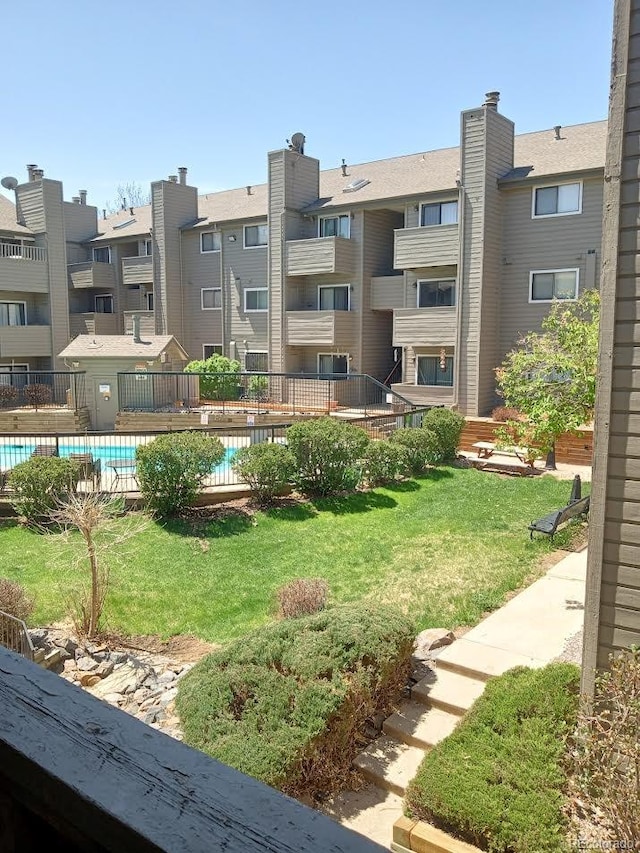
{"points": [[42, 389], [286, 393]]}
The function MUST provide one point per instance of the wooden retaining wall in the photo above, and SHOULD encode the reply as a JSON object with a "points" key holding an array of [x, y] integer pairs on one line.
{"points": [[572, 449], [30, 422], [174, 421]]}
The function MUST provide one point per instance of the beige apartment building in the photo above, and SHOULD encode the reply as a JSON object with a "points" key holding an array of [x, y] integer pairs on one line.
{"points": [[420, 270]]}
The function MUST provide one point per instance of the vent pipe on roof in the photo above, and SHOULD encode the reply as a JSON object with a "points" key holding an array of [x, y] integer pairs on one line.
{"points": [[557, 128], [104, 212], [248, 189], [173, 179], [131, 210], [135, 320], [31, 167], [182, 171], [491, 100], [344, 168], [83, 196], [76, 199], [38, 174]]}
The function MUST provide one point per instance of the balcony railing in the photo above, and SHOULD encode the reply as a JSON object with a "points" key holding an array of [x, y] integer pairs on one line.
{"points": [[320, 256], [431, 246], [22, 252], [92, 274], [137, 270], [320, 328], [23, 268], [93, 323], [25, 341], [424, 327]]}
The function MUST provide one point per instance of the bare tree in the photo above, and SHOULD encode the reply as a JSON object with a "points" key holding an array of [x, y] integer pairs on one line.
{"points": [[128, 195]]}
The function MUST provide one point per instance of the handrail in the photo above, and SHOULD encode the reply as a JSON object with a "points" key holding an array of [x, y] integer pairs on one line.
{"points": [[390, 391], [393, 370], [22, 252], [15, 636]]}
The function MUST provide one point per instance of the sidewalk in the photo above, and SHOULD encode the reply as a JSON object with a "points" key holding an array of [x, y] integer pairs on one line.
{"points": [[532, 629]]}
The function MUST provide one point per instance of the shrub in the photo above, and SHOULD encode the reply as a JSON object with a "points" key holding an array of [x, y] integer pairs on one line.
{"points": [[328, 455], [258, 387], [8, 395], [505, 413], [446, 427], [14, 599], [38, 394], [498, 780], [220, 379], [383, 462], [266, 468], [40, 483], [418, 445], [302, 597], [285, 703], [172, 468], [606, 754]]}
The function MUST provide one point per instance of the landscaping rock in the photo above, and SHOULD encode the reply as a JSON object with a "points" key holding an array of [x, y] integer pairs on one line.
{"points": [[104, 669], [39, 637], [89, 680], [121, 679], [431, 639], [86, 664]]}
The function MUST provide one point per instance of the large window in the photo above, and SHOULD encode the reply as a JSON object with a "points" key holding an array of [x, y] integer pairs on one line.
{"points": [[256, 299], [147, 245], [255, 236], [437, 294], [13, 313], [335, 226], [210, 298], [434, 370], [334, 298], [102, 254], [547, 285], [104, 303], [211, 349], [557, 200], [256, 362], [210, 241], [443, 213], [329, 363]]}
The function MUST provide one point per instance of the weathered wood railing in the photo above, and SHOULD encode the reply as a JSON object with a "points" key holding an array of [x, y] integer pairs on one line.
{"points": [[77, 774], [22, 252], [14, 635]]}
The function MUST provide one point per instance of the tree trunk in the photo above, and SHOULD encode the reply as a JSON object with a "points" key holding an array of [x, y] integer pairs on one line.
{"points": [[94, 615], [550, 464]]}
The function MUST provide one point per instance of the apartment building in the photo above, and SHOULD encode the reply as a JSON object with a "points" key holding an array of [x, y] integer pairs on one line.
{"points": [[421, 270]]}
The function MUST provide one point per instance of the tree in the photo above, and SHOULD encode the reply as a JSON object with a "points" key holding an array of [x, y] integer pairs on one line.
{"points": [[128, 195], [550, 378], [220, 379]]}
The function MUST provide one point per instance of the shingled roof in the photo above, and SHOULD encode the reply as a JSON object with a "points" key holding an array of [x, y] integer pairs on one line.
{"points": [[8, 224], [119, 346]]}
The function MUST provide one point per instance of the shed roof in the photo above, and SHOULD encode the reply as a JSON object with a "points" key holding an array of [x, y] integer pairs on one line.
{"points": [[119, 346]]}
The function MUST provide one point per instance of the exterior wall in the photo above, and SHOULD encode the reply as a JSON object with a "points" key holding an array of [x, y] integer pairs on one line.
{"points": [[24, 275], [612, 607], [203, 270]]}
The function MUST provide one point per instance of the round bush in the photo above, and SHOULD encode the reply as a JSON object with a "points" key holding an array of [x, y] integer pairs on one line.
{"points": [[38, 394], [172, 468], [14, 599], [327, 454], [8, 395], [40, 483], [266, 468], [220, 378], [383, 462], [418, 448], [446, 427]]}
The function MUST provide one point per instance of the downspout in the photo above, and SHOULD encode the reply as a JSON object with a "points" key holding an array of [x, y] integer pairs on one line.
{"points": [[457, 360], [181, 285], [223, 297]]}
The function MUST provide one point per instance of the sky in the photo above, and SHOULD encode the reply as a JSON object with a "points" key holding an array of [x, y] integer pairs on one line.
{"points": [[100, 95]]}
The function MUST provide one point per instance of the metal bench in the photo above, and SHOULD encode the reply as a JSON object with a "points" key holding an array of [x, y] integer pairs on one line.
{"points": [[577, 506]]}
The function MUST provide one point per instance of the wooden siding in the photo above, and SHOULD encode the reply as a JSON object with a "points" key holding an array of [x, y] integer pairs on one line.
{"points": [[147, 322], [424, 394], [92, 274], [320, 255], [57, 261], [29, 207], [91, 323], [137, 270], [24, 275], [205, 270], [23, 342], [320, 328], [436, 245], [424, 326], [387, 292], [612, 607], [80, 221]]}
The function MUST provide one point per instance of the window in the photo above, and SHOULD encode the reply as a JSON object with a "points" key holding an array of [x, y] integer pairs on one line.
{"points": [[255, 236], [432, 370], [102, 254], [211, 349], [334, 298], [335, 226], [210, 241], [148, 300], [13, 313], [559, 200], [147, 247], [328, 364], [256, 362], [443, 213], [210, 298], [546, 285], [14, 374], [256, 299], [104, 303], [437, 294]]}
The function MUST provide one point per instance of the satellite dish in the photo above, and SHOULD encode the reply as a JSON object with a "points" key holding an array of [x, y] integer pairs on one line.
{"points": [[297, 142], [9, 183]]}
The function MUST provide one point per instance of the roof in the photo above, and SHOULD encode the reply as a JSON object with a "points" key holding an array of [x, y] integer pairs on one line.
{"points": [[119, 346], [8, 221], [581, 147]]}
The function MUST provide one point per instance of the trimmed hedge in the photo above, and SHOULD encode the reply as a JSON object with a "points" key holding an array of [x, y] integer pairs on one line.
{"points": [[446, 428], [38, 484], [266, 468], [284, 704], [328, 454], [418, 445], [498, 780], [383, 462]]}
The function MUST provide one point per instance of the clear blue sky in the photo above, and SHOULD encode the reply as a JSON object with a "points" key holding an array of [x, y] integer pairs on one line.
{"points": [[102, 94]]}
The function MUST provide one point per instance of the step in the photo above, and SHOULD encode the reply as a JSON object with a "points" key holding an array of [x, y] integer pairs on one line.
{"points": [[416, 725], [448, 691], [389, 764], [480, 661]]}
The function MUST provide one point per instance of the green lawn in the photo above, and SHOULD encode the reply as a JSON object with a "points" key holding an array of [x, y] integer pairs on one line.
{"points": [[446, 548]]}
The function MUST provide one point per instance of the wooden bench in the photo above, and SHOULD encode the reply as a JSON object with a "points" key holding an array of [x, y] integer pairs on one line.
{"points": [[550, 523]]}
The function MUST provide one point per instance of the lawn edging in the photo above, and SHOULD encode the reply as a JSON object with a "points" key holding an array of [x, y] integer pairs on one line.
{"points": [[416, 836]]}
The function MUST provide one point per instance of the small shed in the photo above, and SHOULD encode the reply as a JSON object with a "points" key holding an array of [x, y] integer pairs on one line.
{"points": [[103, 357]]}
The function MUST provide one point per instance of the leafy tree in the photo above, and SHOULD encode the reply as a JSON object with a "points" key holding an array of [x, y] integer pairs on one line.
{"points": [[550, 378], [220, 379]]}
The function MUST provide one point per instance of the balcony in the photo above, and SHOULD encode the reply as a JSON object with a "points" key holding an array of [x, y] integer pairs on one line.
{"points": [[432, 246], [320, 328], [23, 268], [387, 292], [93, 323], [92, 274], [23, 341], [137, 270], [321, 256], [434, 327], [147, 322]]}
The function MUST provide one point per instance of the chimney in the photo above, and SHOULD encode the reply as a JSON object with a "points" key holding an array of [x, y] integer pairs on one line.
{"points": [[30, 170], [249, 189], [556, 130], [83, 196], [344, 168], [104, 212], [131, 210], [491, 100], [135, 320], [38, 174], [173, 179], [182, 171], [76, 199]]}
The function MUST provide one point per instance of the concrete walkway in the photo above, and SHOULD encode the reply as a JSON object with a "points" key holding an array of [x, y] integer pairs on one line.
{"points": [[530, 630]]}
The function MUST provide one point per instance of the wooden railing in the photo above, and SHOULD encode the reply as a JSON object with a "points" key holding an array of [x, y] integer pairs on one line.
{"points": [[14, 635], [22, 252]]}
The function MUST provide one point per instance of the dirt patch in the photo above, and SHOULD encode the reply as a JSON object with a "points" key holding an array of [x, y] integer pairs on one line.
{"points": [[182, 647]]}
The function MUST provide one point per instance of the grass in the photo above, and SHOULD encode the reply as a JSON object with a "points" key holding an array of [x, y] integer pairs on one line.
{"points": [[498, 781], [445, 548]]}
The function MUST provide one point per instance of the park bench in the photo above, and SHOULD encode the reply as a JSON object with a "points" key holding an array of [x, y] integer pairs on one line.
{"points": [[577, 506]]}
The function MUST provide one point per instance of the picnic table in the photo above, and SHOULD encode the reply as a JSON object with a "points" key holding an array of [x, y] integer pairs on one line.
{"points": [[486, 449]]}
